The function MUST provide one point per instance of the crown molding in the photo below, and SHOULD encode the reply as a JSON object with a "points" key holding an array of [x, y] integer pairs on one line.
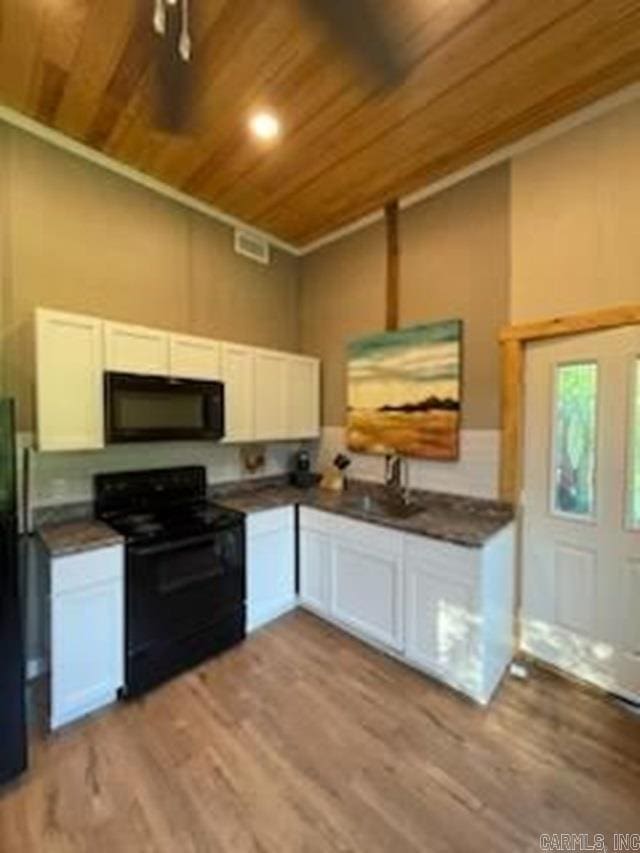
{"points": [[59, 140], [508, 152]]}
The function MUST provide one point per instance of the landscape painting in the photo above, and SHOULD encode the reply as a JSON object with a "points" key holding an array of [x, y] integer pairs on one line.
{"points": [[404, 392]]}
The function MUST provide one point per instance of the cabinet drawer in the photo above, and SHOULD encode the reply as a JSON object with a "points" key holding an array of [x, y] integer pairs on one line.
{"points": [[270, 520], [442, 557], [374, 537], [77, 571]]}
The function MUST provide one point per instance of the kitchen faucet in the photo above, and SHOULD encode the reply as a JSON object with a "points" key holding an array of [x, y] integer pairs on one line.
{"points": [[396, 476]]}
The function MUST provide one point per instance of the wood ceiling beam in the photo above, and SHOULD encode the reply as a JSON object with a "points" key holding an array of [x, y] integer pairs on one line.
{"points": [[393, 266]]}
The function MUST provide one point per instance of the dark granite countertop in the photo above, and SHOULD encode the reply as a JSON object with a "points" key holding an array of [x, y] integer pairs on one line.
{"points": [[74, 537], [466, 521]]}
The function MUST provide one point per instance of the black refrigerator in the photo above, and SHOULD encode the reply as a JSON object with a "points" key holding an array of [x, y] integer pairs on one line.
{"points": [[13, 741]]}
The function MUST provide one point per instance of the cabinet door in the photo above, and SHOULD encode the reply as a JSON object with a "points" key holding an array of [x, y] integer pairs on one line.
{"points": [[136, 349], [271, 575], [441, 615], [271, 395], [315, 569], [69, 396], [87, 635], [303, 397], [366, 589], [194, 358], [238, 378]]}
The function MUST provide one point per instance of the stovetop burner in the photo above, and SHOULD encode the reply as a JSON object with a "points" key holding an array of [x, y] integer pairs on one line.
{"points": [[159, 505], [170, 523]]}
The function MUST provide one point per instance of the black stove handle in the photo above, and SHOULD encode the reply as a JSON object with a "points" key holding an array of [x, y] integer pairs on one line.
{"points": [[176, 544]]}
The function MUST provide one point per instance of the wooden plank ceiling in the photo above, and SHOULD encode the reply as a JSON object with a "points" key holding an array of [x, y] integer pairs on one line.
{"points": [[484, 73]]}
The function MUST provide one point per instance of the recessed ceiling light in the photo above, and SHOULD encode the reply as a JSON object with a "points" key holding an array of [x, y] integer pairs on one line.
{"points": [[264, 125]]}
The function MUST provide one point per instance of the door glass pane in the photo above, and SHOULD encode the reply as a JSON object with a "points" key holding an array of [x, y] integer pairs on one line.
{"points": [[635, 451], [575, 439]]}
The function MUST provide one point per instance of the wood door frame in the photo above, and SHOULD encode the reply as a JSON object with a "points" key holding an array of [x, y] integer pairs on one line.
{"points": [[513, 340]]}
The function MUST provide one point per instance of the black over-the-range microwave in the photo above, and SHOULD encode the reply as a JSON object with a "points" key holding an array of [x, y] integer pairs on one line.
{"points": [[160, 408]]}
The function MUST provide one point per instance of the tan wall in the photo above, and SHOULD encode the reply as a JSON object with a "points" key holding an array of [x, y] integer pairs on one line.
{"points": [[342, 297], [454, 264], [82, 239], [576, 219]]}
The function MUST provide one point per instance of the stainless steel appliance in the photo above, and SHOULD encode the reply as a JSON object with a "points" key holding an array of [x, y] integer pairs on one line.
{"points": [[185, 570], [13, 740], [159, 408]]}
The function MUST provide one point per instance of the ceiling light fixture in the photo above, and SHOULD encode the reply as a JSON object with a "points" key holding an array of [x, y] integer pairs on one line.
{"points": [[160, 24], [265, 126]]}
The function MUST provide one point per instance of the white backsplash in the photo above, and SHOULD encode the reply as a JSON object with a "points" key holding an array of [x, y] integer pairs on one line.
{"points": [[60, 478], [474, 474]]}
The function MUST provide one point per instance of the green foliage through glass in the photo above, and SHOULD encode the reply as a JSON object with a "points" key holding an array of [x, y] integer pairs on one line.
{"points": [[575, 438]]}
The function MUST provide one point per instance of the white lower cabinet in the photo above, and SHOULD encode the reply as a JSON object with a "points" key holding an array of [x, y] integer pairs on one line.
{"points": [[442, 611], [271, 565], [86, 632], [315, 569], [366, 586], [443, 608]]}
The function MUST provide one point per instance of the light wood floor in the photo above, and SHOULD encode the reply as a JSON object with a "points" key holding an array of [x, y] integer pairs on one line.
{"points": [[303, 739]]}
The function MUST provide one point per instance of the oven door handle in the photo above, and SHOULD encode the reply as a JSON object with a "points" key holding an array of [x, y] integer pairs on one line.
{"points": [[176, 545]]}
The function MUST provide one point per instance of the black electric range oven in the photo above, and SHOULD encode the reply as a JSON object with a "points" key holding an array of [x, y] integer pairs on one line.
{"points": [[185, 570]]}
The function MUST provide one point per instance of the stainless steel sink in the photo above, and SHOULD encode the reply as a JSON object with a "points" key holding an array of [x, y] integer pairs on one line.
{"points": [[391, 507]]}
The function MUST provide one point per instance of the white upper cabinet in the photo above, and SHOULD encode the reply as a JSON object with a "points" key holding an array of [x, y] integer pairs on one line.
{"points": [[303, 397], [69, 367], [136, 349], [194, 358], [271, 395], [238, 378]]}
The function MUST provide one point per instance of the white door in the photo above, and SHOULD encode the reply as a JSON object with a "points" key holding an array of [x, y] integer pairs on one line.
{"points": [[303, 397], [238, 377], [70, 413], [271, 395], [194, 358], [581, 546], [136, 349]]}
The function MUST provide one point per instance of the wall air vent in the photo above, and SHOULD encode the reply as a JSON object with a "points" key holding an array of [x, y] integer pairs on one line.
{"points": [[251, 246]]}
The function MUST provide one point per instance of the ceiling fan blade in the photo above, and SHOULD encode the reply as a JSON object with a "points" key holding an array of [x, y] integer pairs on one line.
{"points": [[174, 78], [362, 27]]}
